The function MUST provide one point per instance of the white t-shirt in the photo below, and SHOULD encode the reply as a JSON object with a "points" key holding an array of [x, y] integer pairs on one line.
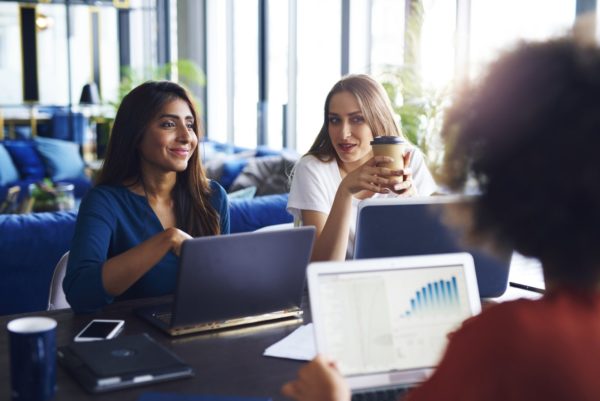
{"points": [[315, 183]]}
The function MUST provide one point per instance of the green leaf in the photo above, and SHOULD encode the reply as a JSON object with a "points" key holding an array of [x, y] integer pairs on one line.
{"points": [[189, 75]]}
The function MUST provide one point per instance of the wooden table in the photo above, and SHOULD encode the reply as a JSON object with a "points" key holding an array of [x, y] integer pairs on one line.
{"points": [[226, 363]]}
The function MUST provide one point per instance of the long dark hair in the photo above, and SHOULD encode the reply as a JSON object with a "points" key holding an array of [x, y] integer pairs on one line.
{"points": [[374, 103], [193, 211]]}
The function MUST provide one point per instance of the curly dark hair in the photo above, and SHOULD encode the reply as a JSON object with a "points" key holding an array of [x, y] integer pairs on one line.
{"points": [[529, 136]]}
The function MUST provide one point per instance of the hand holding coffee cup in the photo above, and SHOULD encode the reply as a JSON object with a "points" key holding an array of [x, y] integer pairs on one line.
{"points": [[391, 146]]}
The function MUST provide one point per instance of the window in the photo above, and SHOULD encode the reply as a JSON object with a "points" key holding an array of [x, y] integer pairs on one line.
{"points": [[11, 73], [496, 26], [319, 64], [245, 72], [218, 71], [53, 76], [304, 53], [438, 43], [277, 70], [387, 34]]}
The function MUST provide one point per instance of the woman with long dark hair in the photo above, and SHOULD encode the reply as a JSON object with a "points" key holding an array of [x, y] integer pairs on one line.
{"points": [[150, 196]]}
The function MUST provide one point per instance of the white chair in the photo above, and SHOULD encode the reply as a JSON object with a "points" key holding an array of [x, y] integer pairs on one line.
{"points": [[57, 299]]}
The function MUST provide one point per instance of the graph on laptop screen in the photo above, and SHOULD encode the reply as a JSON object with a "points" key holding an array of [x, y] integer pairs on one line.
{"points": [[378, 321]]}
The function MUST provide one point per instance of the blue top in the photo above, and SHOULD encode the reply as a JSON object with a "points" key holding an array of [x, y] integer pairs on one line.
{"points": [[112, 220]]}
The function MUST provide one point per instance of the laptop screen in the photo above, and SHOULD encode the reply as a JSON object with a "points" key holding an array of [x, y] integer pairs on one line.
{"points": [[416, 226], [380, 320]]}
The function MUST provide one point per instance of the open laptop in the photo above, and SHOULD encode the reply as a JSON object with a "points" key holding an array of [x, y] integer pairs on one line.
{"points": [[385, 321], [238, 279], [415, 226]]}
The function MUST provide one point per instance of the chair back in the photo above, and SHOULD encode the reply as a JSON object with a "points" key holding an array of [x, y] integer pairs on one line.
{"points": [[57, 298]]}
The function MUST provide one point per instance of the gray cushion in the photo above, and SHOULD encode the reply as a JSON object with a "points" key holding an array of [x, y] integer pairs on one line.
{"points": [[269, 174]]}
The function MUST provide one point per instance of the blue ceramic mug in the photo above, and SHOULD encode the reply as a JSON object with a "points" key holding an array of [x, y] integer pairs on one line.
{"points": [[32, 358]]}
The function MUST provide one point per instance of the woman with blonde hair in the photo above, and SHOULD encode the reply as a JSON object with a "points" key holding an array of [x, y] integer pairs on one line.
{"points": [[340, 170]]}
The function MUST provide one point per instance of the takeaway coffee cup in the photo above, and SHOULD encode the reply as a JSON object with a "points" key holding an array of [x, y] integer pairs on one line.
{"points": [[32, 358], [392, 146]]}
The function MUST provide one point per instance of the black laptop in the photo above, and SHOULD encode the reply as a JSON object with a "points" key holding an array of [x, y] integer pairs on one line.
{"points": [[414, 226], [239, 279]]}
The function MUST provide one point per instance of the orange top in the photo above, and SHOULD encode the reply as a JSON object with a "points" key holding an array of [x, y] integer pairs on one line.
{"points": [[547, 350]]}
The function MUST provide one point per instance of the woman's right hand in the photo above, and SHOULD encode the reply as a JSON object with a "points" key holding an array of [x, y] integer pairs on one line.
{"points": [[176, 238], [139, 259], [369, 177]]}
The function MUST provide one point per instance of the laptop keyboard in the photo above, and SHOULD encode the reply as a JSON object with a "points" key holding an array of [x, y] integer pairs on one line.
{"points": [[393, 394]]}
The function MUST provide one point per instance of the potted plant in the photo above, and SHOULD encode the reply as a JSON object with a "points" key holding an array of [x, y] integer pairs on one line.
{"points": [[46, 196], [419, 107]]}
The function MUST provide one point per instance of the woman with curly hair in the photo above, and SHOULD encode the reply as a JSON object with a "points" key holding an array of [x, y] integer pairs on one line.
{"points": [[528, 135]]}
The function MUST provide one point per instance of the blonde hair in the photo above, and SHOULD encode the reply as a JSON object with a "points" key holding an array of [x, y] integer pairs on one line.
{"points": [[374, 104]]}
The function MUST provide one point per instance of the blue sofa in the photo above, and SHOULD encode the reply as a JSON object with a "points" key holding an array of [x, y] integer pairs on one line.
{"points": [[32, 244]]}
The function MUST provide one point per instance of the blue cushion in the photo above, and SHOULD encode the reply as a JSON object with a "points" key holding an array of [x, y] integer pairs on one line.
{"points": [[69, 126], [222, 147], [231, 169], [62, 158], [252, 214], [8, 171], [240, 149], [26, 158], [266, 151]]}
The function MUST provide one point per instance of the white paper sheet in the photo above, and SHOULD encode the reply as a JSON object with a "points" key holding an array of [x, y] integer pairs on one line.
{"points": [[299, 345]]}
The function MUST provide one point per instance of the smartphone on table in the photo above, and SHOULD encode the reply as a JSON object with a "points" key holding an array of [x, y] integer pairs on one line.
{"points": [[100, 329]]}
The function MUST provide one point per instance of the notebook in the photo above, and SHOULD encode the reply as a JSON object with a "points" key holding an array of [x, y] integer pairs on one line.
{"points": [[385, 321], [415, 226], [126, 361], [232, 280]]}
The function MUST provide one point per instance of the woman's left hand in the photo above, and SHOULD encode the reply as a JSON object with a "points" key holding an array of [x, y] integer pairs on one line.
{"points": [[403, 185]]}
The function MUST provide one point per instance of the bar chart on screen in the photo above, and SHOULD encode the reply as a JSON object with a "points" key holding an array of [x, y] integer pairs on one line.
{"points": [[436, 297], [384, 320], [430, 307]]}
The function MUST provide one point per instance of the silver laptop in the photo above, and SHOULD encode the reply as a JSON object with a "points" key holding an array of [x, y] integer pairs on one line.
{"points": [[415, 226], [385, 321], [232, 280]]}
